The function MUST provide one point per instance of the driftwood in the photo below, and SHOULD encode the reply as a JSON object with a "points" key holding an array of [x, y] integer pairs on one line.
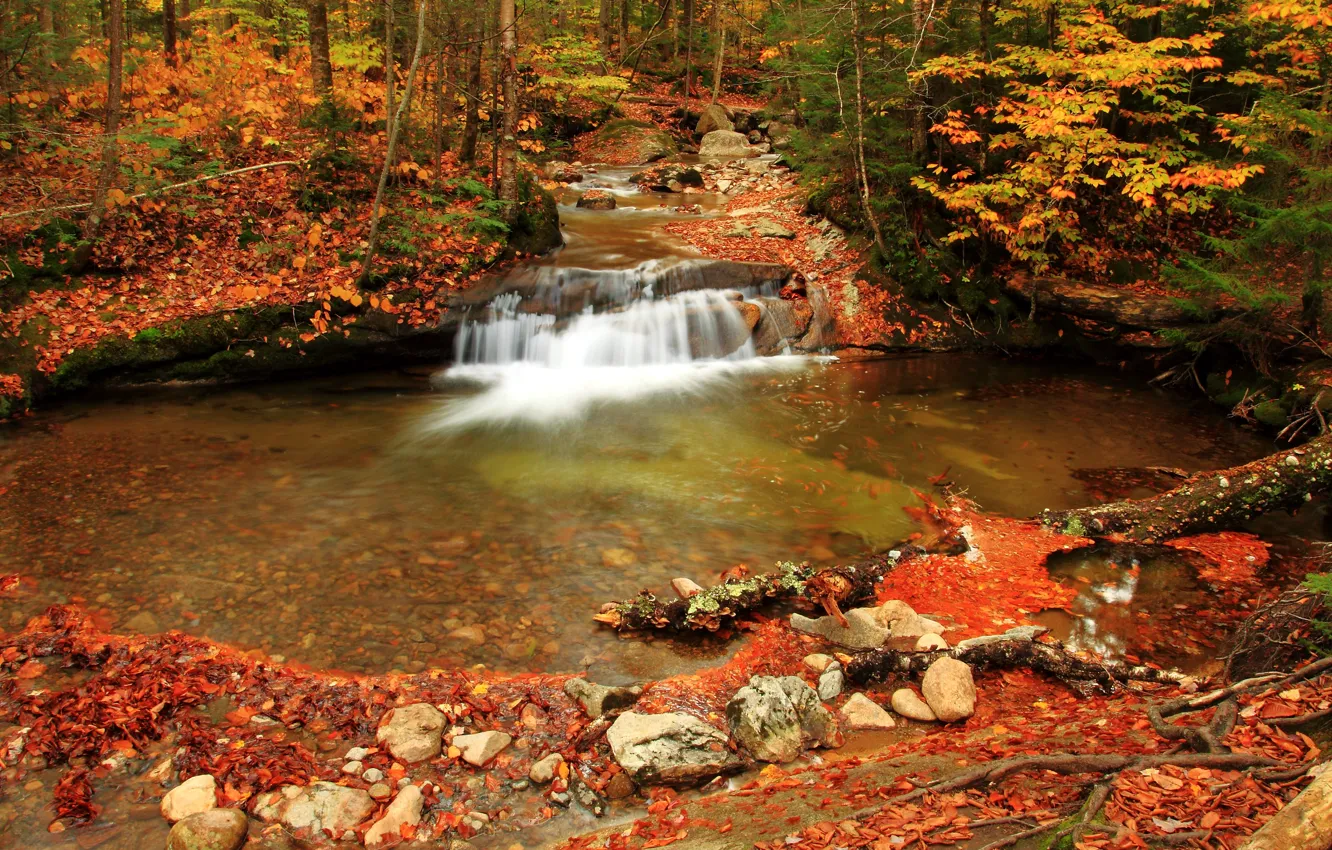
{"points": [[1050, 659], [1305, 823], [1111, 304], [1225, 498]]}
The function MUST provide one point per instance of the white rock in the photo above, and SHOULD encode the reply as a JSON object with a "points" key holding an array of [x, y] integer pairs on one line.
{"points": [[353, 768], [685, 588], [906, 703], [412, 733], [774, 718], [194, 795], [372, 775], [830, 683], [478, 749], [546, 769], [863, 713], [929, 642], [215, 829], [671, 748], [405, 810], [818, 662], [861, 631], [357, 754], [949, 689], [322, 806]]}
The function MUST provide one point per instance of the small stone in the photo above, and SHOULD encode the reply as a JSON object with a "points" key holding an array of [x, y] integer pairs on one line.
{"points": [[685, 588], [906, 703], [864, 714], [949, 689], [818, 662], [353, 768], [620, 786], [830, 684], [412, 733], [216, 829], [532, 717], [596, 699], [672, 748], [322, 806], [191, 797], [478, 749], [471, 634], [380, 791], [1291, 460], [618, 558], [405, 810], [597, 199], [546, 769], [357, 754], [372, 774], [930, 642]]}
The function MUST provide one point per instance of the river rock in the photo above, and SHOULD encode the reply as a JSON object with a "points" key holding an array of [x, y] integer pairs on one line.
{"points": [[756, 166], [714, 117], [864, 714], [774, 718], [724, 143], [830, 683], [930, 643], [194, 795], [216, 829], [672, 749], [479, 748], [597, 199], [322, 806], [596, 699], [1027, 633], [619, 787], [405, 810], [688, 588], [906, 703], [545, 770], [769, 229], [818, 662], [562, 171], [949, 689], [412, 733], [861, 631]]}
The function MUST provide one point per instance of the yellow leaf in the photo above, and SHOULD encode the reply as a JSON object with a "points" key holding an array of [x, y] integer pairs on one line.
{"points": [[298, 262], [314, 235], [356, 300]]}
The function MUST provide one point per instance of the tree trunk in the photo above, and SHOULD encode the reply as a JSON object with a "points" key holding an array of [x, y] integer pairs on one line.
{"points": [[508, 184], [169, 30], [390, 66], [688, 12], [183, 19], [624, 30], [860, 130], [395, 125], [472, 122], [1305, 823], [1226, 498], [604, 34], [719, 29], [111, 126], [920, 130], [46, 21], [320, 65]]}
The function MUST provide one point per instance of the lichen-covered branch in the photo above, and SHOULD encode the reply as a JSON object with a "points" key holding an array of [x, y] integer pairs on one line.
{"points": [[1226, 498]]}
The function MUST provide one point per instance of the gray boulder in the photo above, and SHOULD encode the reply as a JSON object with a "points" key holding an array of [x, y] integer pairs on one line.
{"points": [[769, 229], [775, 718], [321, 807], [215, 829], [715, 117], [670, 749], [596, 699], [597, 199], [412, 733], [724, 143], [861, 631]]}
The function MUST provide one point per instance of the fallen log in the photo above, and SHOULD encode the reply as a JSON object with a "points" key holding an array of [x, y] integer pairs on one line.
{"points": [[1208, 501], [1305, 823], [1112, 304], [1003, 654]]}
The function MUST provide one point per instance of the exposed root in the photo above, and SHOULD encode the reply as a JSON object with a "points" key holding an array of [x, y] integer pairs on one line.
{"points": [[1276, 636]]}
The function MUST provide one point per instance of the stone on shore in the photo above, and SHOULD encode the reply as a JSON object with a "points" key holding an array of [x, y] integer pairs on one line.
{"points": [[405, 810], [686, 588], [949, 689], [714, 117], [864, 714], [930, 642], [671, 749], [545, 770], [1026, 633], [906, 703], [818, 662], [412, 733], [191, 797], [861, 631], [766, 228], [215, 829], [830, 683], [775, 718], [596, 699], [479, 748], [313, 810], [724, 143]]}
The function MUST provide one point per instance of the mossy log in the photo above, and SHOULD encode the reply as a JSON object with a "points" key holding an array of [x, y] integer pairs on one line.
{"points": [[832, 589], [1110, 304], [1050, 659], [1225, 498]]}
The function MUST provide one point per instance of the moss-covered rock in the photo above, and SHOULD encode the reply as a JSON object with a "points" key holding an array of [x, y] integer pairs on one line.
{"points": [[629, 142], [535, 228]]}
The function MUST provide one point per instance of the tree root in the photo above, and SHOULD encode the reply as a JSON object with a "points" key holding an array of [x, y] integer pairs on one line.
{"points": [[1050, 659]]}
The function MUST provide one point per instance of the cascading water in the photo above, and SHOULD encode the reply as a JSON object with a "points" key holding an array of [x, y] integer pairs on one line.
{"points": [[580, 338]]}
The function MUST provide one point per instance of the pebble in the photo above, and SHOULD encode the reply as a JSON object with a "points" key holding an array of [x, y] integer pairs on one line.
{"points": [[478, 749], [544, 771], [906, 703], [191, 797], [372, 774], [380, 791], [830, 683], [818, 662], [357, 754], [930, 642], [353, 768], [863, 713], [412, 733]]}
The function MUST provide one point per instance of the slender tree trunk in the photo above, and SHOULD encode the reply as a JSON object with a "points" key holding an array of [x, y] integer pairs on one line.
{"points": [[986, 19], [47, 24], [508, 184], [605, 11], [390, 66], [688, 12], [395, 125], [111, 126], [858, 46], [169, 30], [183, 19], [472, 122], [624, 30], [320, 65], [719, 30], [920, 135]]}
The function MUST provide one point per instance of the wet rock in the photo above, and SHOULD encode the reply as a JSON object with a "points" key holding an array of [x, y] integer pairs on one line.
{"points": [[545, 770], [380, 791], [618, 558], [739, 232], [780, 134], [755, 137], [687, 588], [906, 703], [930, 643], [143, 623], [357, 754], [714, 117], [405, 810], [562, 171], [372, 774], [756, 166], [478, 749], [775, 718], [532, 717], [818, 662], [620, 786], [412, 733], [949, 689], [864, 714], [472, 634], [672, 749], [596, 699], [191, 797], [830, 683], [768, 229], [321, 806], [724, 184], [861, 632], [724, 143], [588, 798], [216, 829], [1017, 633], [903, 622], [597, 199]]}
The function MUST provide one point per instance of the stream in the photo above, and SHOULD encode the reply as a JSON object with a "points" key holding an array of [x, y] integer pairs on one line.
{"points": [[480, 514]]}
